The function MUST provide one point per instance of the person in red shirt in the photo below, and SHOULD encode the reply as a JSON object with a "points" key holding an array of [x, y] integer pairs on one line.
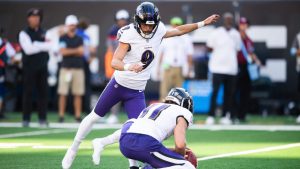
{"points": [[244, 81]]}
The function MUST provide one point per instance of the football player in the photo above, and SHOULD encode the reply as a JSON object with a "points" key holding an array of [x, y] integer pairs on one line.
{"points": [[133, 59], [141, 138]]}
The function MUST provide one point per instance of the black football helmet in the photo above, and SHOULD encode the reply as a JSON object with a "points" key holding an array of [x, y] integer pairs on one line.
{"points": [[180, 97], [146, 13]]}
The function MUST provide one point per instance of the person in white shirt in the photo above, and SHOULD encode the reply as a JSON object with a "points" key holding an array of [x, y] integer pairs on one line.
{"points": [[35, 57], [133, 61], [142, 138], [224, 43], [175, 53]]}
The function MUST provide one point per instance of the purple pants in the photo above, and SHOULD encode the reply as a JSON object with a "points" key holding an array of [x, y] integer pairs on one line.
{"points": [[134, 100], [147, 149]]}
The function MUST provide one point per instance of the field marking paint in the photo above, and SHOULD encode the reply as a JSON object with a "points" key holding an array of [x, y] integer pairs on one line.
{"points": [[17, 145], [57, 147], [194, 127], [36, 133], [247, 127], [261, 150], [36, 146]]}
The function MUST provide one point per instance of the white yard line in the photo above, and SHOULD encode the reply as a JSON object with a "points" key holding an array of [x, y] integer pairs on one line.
{"points": [[261, 150], [36, 133], [58, 147], [248, 127], [16, 145], [194, 127], [36, 146]]}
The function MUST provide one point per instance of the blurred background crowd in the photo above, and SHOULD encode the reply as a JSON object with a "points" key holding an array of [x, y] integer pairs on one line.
{"points": [[55, 57]]}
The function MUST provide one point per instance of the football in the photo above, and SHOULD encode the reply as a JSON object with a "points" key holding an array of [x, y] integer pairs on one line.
{"points": [[191, 157]]}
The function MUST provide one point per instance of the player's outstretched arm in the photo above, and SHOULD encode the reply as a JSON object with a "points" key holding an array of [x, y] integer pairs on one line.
{"points": [[187, 28], [179, 136]]}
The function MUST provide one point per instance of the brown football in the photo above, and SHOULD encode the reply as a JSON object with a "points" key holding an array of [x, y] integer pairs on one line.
{"points": [[191, 157]]}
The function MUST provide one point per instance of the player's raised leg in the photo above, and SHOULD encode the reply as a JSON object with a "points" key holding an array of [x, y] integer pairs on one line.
{"points": [[109, 97]]}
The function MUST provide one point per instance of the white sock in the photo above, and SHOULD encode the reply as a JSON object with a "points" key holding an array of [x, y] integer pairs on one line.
{"points": [[84, 129], [187, 165], [111, 139], [133, 163]]}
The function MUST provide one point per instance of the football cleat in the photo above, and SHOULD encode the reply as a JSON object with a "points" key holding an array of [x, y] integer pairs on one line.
{"points": [[68, 159], [298, 119], [210, 120], [98, 148], [112, 119]]}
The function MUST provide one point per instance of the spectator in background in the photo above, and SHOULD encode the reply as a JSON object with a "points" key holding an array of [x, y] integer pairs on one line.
{"points": [[175, 52], [6, 52], [295, 51], [122, 19], [243, 79], [89, 55], [71, 74], [224, 43], [35, 57]]}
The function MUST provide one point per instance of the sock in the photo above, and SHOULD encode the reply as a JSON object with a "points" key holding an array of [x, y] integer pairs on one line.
{"points": [[187, 165], [111, 139], [133, 163], [84, 129]]}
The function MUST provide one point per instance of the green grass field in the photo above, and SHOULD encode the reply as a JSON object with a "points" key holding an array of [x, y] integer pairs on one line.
{"points": [[204, 143]]}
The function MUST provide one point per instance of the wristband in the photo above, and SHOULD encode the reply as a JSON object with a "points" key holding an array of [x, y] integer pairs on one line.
{"points": [[126, 67], [200, 24]]}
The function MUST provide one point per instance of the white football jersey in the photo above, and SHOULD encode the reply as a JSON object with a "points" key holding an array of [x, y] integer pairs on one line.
{"points": [[159, 120], [141, 50]]}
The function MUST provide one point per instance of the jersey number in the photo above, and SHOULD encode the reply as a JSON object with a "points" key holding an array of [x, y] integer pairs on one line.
{"points": [[147, 58], [155, 113]]}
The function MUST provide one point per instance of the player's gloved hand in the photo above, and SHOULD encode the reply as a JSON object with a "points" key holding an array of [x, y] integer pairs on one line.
{"points": [[211, 19]]}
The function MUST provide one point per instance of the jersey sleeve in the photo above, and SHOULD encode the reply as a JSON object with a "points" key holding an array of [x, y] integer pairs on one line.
{"points": [[187, 115], [161, 30], [125, 34]]}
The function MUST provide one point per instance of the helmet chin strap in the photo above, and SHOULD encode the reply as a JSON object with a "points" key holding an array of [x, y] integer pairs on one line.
{"points": [[147, 36]]}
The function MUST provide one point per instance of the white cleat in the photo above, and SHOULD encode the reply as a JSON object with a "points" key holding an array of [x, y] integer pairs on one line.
{"points": [[225, 121], [68, 159], [112, 119], [98, 148], [210, 120], [298, 119]]}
